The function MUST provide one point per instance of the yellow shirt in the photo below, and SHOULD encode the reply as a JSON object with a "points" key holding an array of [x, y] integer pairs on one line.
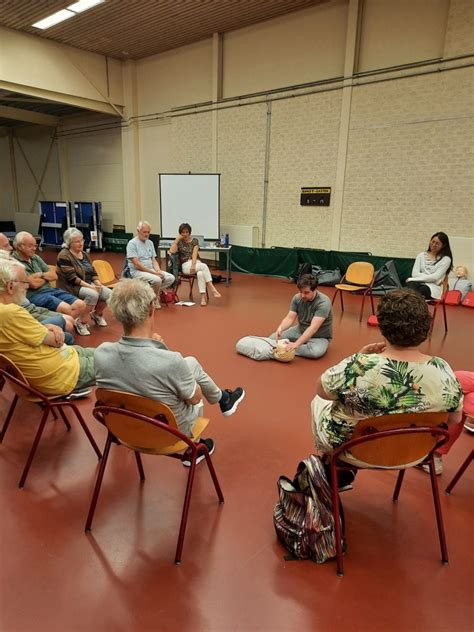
{"points": [[50, 370]]}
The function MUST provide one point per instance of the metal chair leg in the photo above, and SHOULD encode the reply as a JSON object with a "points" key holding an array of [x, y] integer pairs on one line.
{"points": [[64, 417], [141, 471], [445, 319], [439, 515], [460, 472], [212, 471], [37, 438], [362, 308], [398, 485], [184, 516], [8, 419], [98, 483], [85, 427]]}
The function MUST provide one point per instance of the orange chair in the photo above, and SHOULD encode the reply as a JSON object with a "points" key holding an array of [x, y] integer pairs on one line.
{"points": [[149, 427], [22, 390], [53, 269], [359, 277], [105, 272], [392, 441]]}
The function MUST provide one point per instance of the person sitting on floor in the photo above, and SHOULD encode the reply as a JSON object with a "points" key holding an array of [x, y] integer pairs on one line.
{"points": [[41, 314], [187, 248], [305, 331], [39, 352], [143, 264], [77, 276], [392, 376], [142, 364], [40, 291]]}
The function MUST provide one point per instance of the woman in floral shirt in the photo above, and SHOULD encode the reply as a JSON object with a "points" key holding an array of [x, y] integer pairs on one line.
{"points": [[387, 377]]}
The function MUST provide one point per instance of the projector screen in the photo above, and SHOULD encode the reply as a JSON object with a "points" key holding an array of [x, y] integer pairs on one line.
{"points": [[191, 198]]}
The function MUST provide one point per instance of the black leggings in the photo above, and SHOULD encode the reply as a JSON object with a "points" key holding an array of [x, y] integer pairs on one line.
{"points": [[419, 287]]}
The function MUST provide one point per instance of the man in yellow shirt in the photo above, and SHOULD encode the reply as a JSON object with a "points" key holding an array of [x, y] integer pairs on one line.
{"points": [[47, 363]]}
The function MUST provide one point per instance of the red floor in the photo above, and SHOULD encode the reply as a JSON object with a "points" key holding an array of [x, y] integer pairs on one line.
{"points": [[233, 577]]}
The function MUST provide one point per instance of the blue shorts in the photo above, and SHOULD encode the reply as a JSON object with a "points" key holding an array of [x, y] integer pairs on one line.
{"points": [[51, 298]]}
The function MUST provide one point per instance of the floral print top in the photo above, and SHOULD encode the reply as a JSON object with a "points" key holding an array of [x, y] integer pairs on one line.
{"points": [[368, 385]]}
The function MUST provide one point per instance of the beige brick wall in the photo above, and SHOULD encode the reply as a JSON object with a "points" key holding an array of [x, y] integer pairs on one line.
{"points": [[304, 143], [410, 163], [241, 161], [460, 30], [191, 144]]}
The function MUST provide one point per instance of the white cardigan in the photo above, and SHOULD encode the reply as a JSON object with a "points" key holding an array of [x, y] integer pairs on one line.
{"points": [[431, 272]]}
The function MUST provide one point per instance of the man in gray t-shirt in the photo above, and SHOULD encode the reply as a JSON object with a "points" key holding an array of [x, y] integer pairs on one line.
{"points": [[308, 324], [143, 264], [142, 364]]}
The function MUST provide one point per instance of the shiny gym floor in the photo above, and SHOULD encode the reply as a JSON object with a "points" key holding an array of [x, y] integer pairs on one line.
{"points": [[233, 577]]}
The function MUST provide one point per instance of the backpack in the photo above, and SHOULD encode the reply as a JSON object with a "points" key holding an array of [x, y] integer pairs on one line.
{"points": [[303, 517], [324, 277]]}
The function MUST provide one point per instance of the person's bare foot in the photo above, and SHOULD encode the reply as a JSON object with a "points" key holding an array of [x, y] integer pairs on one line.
{"points": [[203, 301], [216, 294]]}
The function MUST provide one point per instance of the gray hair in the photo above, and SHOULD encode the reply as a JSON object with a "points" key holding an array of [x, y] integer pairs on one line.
{"points": [[143, 223], [20, 238], [8, 272], [69, 235], [130, 302]]}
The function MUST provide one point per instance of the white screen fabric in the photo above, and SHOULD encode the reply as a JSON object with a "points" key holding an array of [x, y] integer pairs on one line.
{"points": [[191, 198]]}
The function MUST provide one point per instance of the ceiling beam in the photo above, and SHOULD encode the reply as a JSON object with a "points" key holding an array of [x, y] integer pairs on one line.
{"points": [[28, 117]]}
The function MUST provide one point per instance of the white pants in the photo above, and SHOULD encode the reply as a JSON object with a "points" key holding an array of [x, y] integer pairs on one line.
{"points": [[156, 282], [92, 297], [202, 273]]}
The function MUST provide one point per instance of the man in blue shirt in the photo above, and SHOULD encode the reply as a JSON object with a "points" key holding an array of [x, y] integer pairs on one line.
{"points": [[143, 264]]}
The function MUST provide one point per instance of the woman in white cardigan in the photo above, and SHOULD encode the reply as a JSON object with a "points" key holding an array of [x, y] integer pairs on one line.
{"points": [[431, 267]]}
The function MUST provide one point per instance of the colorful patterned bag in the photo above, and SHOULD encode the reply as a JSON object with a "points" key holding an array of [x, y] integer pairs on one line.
{"points": [[303, 518]]}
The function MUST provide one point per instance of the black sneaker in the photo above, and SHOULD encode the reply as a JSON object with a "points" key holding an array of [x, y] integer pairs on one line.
{"points": [[200, 455], [235, 397], [345, 478]]}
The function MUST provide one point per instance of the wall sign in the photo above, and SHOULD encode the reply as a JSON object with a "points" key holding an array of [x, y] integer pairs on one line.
{"points": [[315, 196]]}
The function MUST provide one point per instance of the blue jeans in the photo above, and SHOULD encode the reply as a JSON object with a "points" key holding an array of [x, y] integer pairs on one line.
{"points": [[59, 321]]}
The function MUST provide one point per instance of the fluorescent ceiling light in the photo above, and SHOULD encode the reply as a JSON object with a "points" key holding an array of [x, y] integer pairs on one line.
{"points": [[83, 5], [56, 18], [65, 14]]}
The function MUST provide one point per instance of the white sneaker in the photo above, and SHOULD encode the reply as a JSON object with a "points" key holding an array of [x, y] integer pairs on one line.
{"points": [[81, 328], [99, 320], [438, 463]]}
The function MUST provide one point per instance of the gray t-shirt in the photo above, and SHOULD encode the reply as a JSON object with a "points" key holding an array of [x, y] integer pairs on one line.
{"points": [[320, 307], [144, 250], [146, 367]]}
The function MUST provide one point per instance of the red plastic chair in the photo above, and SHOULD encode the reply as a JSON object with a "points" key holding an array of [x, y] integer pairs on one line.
{"points": [[359, 277], [149, 427], [22, 390], [392, 441]]}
